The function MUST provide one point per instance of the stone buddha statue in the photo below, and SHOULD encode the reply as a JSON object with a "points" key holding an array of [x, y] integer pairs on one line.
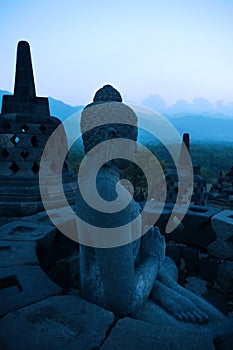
{"points": [[123, 277]]}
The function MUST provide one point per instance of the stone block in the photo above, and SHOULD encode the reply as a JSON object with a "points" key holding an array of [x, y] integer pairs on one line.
{"points": [[61, 218], [222, 225], [26, 193], [16, 208], [197, 228], [61, 322], [6, 220], [133, 334], [173, 252], [22, 286], [39, 218], [17, 253], [225, 276], [29, 232], [162, 211]]}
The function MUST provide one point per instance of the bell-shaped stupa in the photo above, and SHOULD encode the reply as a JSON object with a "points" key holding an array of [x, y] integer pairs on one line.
{"points": [[25, 127]]}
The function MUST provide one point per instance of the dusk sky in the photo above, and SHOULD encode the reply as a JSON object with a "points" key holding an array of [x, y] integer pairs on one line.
{"points": [[176, 49]]}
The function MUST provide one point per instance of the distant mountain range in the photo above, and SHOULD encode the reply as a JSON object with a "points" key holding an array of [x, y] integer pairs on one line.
{"points": [[199, 105], [208, 124], [62, 110]]}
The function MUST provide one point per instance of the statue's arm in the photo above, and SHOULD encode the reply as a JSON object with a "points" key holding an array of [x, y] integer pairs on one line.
{"points": [[153, 253], [127, 288], [117, 270]]}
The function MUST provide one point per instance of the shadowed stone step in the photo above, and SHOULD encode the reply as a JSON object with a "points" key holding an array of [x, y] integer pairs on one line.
{"points": [[23, 285], [29, 232], [61, 322], [17, 253], [132, 334], [197, 230]]}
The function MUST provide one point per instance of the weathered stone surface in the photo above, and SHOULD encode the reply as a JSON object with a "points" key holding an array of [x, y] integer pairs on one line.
{"points": [[222, 224], [60, 217], [61, 322], [17, 253], [225, 276], [29, 232], [130, 334], [173, 252], [42, 217], [161, 320], [18, 209], [197, 227], [196, 285], [22, 286], [5, 220], [171, 268]]}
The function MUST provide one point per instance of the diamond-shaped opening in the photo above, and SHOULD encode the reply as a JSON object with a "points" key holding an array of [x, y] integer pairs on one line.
{"points": [[24, 154], [15, 140], [24, 128], [35, 168], [5, 153], [42, 128], [14, 167], [34, 141]]}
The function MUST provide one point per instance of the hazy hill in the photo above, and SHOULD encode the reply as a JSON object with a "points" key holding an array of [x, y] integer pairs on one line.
{"points": [[61, 109], [205, 128]]}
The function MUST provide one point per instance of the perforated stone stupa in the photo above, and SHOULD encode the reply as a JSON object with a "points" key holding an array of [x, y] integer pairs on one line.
{"points": [[25, 126]]}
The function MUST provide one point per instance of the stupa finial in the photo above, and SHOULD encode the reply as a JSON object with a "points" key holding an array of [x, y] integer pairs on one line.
{"points": [[24, 80]]}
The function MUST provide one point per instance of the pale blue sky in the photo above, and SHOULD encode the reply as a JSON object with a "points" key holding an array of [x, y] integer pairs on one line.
{"points": [[177, 49]]}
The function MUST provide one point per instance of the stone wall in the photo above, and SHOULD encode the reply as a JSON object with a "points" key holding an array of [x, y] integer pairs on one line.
{"points": [[203, 251]]}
